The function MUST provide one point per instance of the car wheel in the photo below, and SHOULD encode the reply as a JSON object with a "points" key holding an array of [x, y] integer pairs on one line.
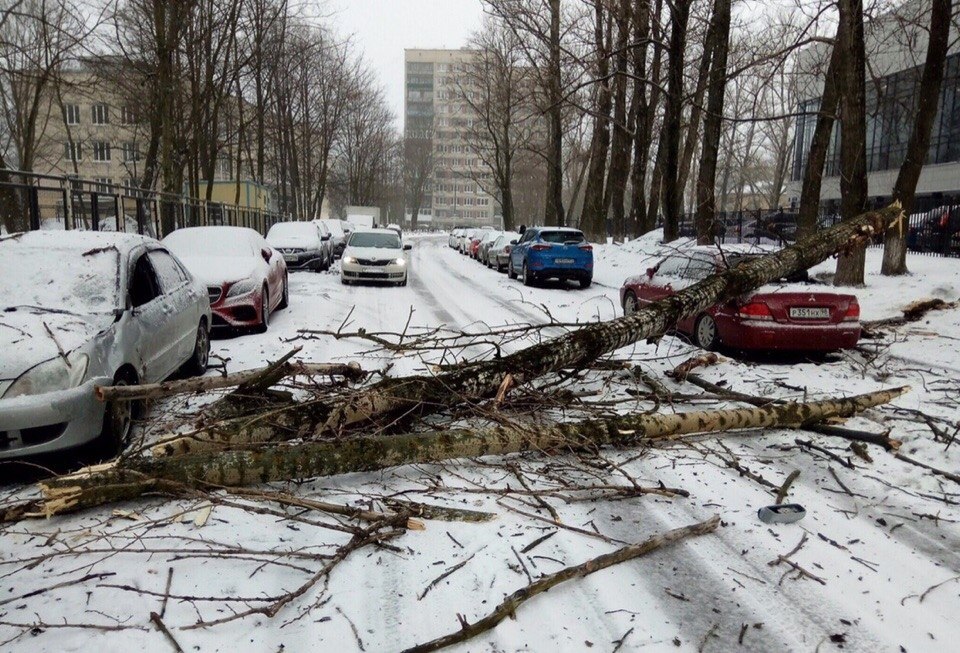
{"points": [[117, 419], [705, 333], [285, 297], [344, 281], [404, 282], [197, 365], [264, 311], [585, 282], [510, 272], [528, 278]]}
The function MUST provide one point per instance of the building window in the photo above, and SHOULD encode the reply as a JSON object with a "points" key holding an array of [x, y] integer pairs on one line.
{"points": [[71, 114], [72, 151], [129, 116], [101, 114], [130, 187], [103, 184], [131, 152], [101, 151]]}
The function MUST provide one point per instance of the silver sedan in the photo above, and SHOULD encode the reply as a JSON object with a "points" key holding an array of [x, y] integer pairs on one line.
{"points": [[85, 309]]}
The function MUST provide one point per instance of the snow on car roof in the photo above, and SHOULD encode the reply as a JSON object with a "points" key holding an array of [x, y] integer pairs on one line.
{"points": [[67, 240], [210, 241]]}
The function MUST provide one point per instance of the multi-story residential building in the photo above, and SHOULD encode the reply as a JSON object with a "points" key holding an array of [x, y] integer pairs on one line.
{"points": [[896, 47], [434, 110]]}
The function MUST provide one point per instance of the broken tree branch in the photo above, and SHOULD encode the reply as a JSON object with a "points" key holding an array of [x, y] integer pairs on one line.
{"points": [[510, 604]]}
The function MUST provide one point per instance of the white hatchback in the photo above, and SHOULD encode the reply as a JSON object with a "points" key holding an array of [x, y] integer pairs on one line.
{"points": [[374, 255]]}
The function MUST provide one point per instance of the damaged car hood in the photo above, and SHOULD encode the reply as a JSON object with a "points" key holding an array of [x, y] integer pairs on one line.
{"points": [[29, 337]]}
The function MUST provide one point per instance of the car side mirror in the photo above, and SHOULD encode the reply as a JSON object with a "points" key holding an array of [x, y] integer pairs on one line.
{"points": [[407, 247], [651, 272], [513, 242], [325, 237], [266, 253]]}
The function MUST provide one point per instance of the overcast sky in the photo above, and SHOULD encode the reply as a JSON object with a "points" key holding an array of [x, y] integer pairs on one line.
{"points": [[383, 28]]}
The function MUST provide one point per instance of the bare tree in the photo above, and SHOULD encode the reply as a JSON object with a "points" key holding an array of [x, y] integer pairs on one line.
{"points": [[672, 186], [418, 165]]}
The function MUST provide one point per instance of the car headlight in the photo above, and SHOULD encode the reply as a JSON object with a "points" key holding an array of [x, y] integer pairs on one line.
{"points": [[400, 261], [50, 376], [244, 287], [350, 260]]}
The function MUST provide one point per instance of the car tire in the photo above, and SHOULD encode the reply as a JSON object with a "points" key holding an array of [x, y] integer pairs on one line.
{"points": [[344, 281], [197, 365], [117, 419], [404, 282], [510, 273], [630, 303], [528, 278], [705, 333], [264, 311], [585, 282], [285, 297]]}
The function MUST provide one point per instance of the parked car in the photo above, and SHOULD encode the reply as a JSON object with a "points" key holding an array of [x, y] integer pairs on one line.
{"points": [[374, 255], [246, 279], [936, 231], [395, 227], [338, 238], [303, 245], [454, 237], [797, 316], [348, 228], [498, 253], [779, 227], [466, 240], [83, 309], [485, 241], [551, 253]]}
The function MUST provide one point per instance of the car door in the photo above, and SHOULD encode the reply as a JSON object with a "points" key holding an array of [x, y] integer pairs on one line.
{"points": [[519, 251], [180, 297], [276, 269], [661, 284], [151, 316]]}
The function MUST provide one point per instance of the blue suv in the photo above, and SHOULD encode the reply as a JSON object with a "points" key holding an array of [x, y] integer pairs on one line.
{"points": [[551, 253]]}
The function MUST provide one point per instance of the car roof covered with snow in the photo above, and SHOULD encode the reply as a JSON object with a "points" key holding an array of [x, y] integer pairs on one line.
{"points": [[70, 240]]}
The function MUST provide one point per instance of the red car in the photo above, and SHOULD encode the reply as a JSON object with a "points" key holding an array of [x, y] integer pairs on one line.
{"points": [[474, 247], [246, 279], [787, 317]]}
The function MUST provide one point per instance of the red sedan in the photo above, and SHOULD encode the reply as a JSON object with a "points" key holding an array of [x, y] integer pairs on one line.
{"points": [[246, 279], [788, 317]]}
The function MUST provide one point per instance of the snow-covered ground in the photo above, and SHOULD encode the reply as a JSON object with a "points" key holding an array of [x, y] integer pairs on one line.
{"points": [[881, 537]]}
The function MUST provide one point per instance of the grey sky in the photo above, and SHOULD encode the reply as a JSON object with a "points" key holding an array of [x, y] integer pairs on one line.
{"points": [[383, 28]]}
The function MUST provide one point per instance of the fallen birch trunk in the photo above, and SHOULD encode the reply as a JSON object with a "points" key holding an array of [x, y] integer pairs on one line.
{"points": [[111, 482], [509, 605], [351, 371], [417, 395]]}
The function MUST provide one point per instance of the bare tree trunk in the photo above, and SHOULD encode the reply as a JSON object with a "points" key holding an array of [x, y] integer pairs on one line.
{"points": [[132, 477], [819, 145], [853, 136], [672, 187], [554, 215], [620, 151], [707, 179], [593, 217], [640, 111], [928, 96]]}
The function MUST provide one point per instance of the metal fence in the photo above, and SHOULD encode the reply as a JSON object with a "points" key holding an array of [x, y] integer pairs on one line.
{"points": [[934, 231], [30, 201]]}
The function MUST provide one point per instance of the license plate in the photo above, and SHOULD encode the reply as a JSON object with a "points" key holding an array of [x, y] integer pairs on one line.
{"points": [[290, 258], [804, 313], [564, 261]]}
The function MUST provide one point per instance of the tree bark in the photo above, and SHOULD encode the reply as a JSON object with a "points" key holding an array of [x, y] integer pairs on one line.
{"points": [[616, 189], [928, 98], [131, 478], [672, 188], [853, 135], [707, 179], [640, 123], [593, 217], [819, 145], [554, 215]]}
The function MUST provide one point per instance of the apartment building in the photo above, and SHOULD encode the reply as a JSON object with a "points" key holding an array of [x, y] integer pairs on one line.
{"points": [[896, 46], [434, 111]]}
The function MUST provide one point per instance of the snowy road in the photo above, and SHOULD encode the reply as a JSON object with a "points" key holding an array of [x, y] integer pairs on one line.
{"points": [[878, 539]]}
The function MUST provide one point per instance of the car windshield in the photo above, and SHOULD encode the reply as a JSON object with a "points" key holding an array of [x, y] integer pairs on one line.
{"points": [[293, 230], [210, 241], [369, 239], [561, 236], [83, 281]]}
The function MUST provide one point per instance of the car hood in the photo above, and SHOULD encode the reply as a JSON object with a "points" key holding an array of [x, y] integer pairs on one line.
{"points": [[25, 341], [217, 270], [374, 252], [292, 243]]}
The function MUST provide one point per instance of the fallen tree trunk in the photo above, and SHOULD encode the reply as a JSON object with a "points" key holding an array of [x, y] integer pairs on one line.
{"points": [[418, 395], [117, 481], [249, 378]]}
